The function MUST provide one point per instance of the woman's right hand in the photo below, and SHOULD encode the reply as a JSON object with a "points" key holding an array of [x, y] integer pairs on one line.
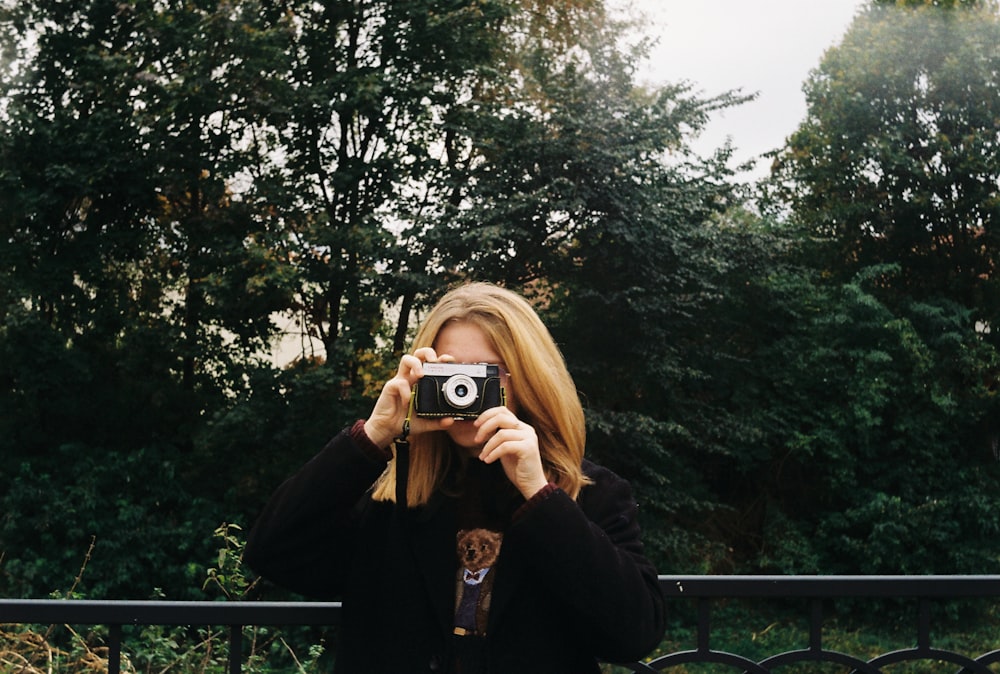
{"points": [[386, 420]]}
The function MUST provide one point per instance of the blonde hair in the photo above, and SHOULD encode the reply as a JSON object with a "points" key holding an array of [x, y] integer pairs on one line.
{"points": [[546, 396]]}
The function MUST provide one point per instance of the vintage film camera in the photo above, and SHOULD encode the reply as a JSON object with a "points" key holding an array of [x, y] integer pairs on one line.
{"points": [[458, 390]]}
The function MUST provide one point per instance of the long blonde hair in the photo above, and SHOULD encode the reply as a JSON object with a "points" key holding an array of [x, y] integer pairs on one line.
{"points": [[546, 396]]}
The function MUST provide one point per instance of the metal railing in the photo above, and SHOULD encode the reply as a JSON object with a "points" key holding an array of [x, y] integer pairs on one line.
{"points": [[815, 590], [704, 591]]}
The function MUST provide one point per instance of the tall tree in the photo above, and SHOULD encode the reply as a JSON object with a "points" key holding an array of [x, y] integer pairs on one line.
{"points": [[134, 292], [126, 133], [887, 357], [898, 158], [366, 83]]}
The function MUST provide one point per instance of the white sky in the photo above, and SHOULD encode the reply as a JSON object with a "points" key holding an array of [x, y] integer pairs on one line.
{"points": [[764, 46]]}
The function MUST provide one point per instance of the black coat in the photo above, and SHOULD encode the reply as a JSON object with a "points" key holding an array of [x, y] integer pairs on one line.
{"points": [[572, 584]]}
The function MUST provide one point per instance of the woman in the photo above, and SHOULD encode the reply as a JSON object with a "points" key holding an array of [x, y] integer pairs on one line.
{"points": [[482, 545]]}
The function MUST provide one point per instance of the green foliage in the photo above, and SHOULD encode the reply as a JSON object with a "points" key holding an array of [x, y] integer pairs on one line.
{"points": [[146, 530], [879, 460], [206, 649], [884, 380], [811, 395], [157, 648], [228, 575], [278, 423], [897, 159]]}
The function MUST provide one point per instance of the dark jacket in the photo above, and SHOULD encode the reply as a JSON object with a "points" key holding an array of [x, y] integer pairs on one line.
{"points": [[572, 583]]}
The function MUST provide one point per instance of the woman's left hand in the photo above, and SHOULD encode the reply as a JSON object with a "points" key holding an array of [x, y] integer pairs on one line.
{"points": [[515, 444]]}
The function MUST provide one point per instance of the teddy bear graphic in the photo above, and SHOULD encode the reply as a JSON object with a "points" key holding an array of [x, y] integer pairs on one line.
{"points": [[478, 550]]}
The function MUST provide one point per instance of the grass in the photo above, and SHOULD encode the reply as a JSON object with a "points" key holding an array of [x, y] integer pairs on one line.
{"points": [[154, 649]]}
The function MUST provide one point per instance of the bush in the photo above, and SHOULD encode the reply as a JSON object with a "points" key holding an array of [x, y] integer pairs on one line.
{"points": [[126, 516]]}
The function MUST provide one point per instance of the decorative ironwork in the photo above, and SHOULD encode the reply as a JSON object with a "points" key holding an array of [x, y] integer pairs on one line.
{"points": [[815, 589], [703, 590]]}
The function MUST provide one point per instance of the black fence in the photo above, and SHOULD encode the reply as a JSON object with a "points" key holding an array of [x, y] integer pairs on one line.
{"points": [[704, 591]]}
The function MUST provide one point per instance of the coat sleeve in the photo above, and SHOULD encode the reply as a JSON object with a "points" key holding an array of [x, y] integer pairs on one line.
{"points": [[303, 538], [591, 551]]}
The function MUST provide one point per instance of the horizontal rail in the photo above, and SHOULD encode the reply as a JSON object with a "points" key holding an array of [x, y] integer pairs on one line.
{"points": [[931, 587], [127, 612], [132, 612]]}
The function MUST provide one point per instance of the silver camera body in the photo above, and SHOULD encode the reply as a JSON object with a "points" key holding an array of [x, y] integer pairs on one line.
{"points": [[458, 390]]}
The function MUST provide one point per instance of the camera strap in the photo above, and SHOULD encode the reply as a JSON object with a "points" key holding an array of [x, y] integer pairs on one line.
{"points": [[402, 438], [403, 457]]}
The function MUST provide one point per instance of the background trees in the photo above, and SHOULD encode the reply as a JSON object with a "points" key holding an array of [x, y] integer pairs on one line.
{"points": [[174, 177], [893, 177], [897, 159]]}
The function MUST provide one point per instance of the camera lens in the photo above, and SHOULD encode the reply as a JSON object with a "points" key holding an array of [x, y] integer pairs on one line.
{"points": [[460, 391]]}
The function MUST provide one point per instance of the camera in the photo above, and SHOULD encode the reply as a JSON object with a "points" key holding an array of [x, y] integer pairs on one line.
{"points": [[458, 390]]}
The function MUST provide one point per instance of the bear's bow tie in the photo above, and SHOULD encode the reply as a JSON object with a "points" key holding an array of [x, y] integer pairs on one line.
{"points": [[475, 577]]}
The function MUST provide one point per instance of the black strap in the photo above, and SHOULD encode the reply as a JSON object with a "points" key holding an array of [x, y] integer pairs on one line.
{"points": [[403, 459]]}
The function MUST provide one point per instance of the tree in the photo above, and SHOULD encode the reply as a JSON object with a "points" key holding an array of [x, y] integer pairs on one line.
{"points": [[173, 174], [886, 354], [127, 312], [872, 413], [898, 158]]}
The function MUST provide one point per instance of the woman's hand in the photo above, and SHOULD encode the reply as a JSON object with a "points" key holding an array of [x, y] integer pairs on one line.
{"points": [[515, 444], [386, 420]]}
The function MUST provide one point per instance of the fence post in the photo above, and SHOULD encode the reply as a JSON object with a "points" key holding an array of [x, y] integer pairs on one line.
{"points": [[114, 648], [235, 649]]}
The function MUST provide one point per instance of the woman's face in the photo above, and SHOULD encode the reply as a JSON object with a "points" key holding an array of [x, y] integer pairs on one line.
{"points": [[462, 342]]}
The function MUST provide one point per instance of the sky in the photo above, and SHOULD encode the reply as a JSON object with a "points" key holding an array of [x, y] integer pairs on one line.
{"points": [[763, 46]]}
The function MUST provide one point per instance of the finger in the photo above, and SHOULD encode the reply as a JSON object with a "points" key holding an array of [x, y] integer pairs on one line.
{"points": [[492, 433], [410, 367], [402, 390], [421, 425], [497, 417], [427, 354], [493, 421], [520, 442], [392, 404]]}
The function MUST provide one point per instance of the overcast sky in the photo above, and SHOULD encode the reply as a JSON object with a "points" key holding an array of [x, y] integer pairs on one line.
{"points": [[765, 46]]}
